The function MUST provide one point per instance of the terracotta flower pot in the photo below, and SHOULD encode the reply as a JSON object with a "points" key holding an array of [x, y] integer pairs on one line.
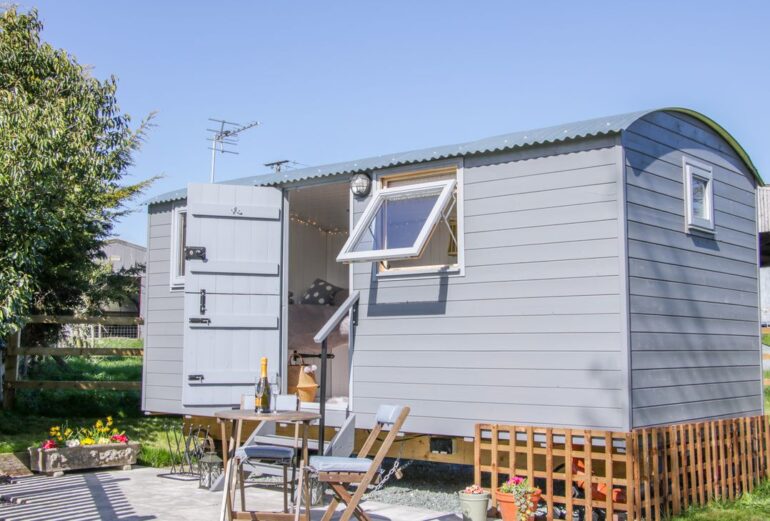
{"points": [[508, 508]]}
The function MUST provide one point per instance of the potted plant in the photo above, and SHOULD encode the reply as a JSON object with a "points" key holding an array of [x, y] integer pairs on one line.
{"points": [[76, 448], [517, 500], [474, 502]]}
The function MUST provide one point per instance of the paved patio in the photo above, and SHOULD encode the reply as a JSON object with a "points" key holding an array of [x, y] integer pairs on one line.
{"points": [[141, 495]]}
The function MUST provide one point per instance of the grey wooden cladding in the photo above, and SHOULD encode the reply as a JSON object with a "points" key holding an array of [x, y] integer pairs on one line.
{"points": [[395, 292], [693, 297], [694, 411], [694, 341], [691, 308], [545, 306], [161, 387], [536, 312], [458, 419], [657, 396], [570, 378], [578, 323], [684, 376], [500, 394], [584, 266], [500, 342]]}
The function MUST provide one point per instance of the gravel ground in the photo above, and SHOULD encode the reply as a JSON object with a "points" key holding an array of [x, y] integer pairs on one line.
{"points": [[426, 485]]}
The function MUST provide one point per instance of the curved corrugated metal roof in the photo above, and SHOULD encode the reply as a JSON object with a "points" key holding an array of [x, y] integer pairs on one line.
{"points": [[566, 132]]}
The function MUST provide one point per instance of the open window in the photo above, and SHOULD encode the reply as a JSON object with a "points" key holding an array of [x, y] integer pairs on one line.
{"points": [[399, 222], [699, 195]]}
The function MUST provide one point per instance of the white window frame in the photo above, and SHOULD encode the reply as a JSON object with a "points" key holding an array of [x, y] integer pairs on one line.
{"points": [[176, 280], [445, 188], [692, 168]]}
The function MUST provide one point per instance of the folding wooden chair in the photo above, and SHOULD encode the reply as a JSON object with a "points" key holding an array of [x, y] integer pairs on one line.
{"points": [[338, 472]]}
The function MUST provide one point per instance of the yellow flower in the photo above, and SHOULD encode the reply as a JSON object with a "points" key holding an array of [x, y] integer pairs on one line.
{"points": [[68, 432], [109, 420], [99, 424], [59, 438], [87, 441], [115, 431]]}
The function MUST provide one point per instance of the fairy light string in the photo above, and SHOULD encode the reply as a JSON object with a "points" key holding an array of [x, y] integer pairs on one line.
{"points": [[306, 221]]}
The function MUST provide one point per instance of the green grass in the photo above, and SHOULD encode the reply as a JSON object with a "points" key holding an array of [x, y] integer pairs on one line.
{"points": [[749, 507], [105, 368], [123, 343], [18, 431], [64, 403], [36, 411]]}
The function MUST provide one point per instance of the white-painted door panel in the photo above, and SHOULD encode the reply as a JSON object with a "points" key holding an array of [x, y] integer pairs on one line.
{"points": [[238, 320]]}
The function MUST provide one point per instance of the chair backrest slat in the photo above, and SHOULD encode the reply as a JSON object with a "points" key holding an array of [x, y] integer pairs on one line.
{"points": [[392, 433], [367, 446]]}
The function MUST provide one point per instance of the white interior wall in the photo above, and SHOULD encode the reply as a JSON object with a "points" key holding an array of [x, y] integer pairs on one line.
{"points": [[307, 257], [336, 272]]}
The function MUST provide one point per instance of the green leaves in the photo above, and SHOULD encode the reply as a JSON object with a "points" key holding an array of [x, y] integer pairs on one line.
{"points": [[65, 147]]}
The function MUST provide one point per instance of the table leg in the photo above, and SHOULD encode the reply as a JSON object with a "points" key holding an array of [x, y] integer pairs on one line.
{"points": [[223, 426], [239, 475], [306, 485]]}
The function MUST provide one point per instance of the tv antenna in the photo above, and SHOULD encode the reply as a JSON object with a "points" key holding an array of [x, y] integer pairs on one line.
{"points": [[223, 137], [277, 166]]}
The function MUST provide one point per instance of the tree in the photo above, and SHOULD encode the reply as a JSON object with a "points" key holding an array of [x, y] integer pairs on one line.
{"points": [[65, 148]]}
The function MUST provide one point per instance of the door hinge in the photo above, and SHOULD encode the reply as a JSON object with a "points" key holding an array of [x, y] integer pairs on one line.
{"points": [[200, 320], [195, 252], [194, 377], [203, 302]]}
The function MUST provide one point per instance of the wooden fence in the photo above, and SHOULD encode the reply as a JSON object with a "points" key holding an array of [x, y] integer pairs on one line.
{"points": [[15, 352], [648, 474]]}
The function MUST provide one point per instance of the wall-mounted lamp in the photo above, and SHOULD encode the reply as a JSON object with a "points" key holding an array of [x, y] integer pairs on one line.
{"points": [[360, 185]]}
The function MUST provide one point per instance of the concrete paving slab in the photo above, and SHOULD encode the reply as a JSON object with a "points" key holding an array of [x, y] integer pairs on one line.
{"points": [[142, 494]]}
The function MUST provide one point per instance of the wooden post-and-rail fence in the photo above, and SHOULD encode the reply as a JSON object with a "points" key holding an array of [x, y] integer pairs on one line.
{"points": [[14, 352], [647, 474]]}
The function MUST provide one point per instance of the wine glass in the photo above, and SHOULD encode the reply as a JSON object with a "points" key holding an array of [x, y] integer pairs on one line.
{"points": [[259, 392], [275, 390]]}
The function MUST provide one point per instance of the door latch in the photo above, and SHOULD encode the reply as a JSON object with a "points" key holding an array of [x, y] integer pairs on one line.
{"points": [[203, 302], [200, 320], [194, 377], [195, 252]]}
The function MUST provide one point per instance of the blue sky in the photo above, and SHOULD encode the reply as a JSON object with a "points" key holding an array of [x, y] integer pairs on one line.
{"points": [[334, 81]]}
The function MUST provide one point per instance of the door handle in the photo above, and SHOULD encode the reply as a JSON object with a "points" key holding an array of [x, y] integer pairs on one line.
{"points": [[200, 320], [194, 377]]}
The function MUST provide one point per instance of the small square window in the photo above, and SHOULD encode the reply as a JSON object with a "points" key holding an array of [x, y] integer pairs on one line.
{"points": [[178, 241], [699, 195], [398, 222]]}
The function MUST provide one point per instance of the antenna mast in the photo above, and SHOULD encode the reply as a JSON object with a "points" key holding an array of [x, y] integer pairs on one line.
{"points": [[225, 136]]}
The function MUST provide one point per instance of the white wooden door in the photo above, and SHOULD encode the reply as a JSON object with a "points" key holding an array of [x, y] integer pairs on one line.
{"points": [[232, 305]]}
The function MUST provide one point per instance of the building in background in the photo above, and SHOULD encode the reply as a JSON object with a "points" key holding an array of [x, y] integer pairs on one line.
{"points": [[120, 255]]}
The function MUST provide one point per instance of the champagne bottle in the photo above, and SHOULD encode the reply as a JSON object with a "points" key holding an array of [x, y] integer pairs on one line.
{"points": [[263, 397]]}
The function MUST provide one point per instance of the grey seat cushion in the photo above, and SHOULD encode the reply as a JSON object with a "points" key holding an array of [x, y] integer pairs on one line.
{"points": [[274, 452], [337, 464]]}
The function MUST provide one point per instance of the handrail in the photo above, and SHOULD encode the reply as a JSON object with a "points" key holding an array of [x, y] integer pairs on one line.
{"points": [[337, 317], [350, 305]]}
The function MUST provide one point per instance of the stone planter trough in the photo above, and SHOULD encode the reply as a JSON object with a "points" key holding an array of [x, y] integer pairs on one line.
{"points": [[56, 461]]}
